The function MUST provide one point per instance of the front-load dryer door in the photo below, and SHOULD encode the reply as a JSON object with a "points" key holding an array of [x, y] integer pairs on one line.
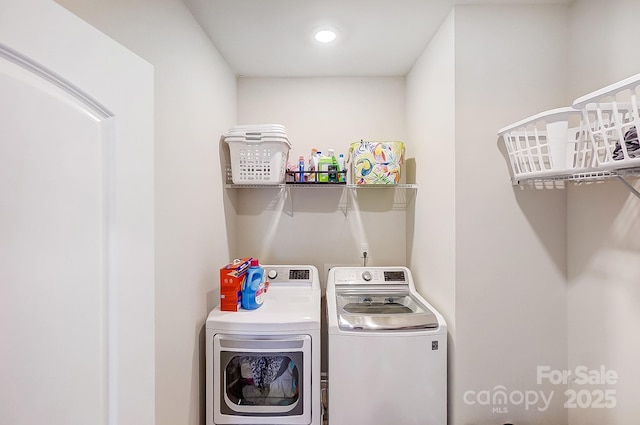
{"points": [[262, 380]]}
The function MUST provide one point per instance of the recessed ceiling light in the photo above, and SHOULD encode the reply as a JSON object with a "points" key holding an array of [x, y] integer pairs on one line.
{"points": [[325, 35]]}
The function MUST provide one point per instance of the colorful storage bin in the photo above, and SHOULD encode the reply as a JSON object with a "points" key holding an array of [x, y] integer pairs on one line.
{"points": [[376, 162]]}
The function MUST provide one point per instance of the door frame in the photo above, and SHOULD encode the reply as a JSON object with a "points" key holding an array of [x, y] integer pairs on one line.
{"points": [[47, 40]]}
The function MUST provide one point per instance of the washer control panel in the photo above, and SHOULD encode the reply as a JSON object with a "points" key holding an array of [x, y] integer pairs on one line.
{"points": [[371, 275]]}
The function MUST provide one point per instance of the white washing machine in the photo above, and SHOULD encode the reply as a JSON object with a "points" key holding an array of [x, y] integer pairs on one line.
{"points": [[387, 350], [263, 365]]}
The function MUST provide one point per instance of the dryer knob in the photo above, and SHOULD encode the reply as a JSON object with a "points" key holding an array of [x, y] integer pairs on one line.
{"points": [[366, 276], [272, 274]]}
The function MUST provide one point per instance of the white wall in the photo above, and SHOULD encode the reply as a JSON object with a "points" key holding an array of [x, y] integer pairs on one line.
{"points": [[195, 101], [603, 225], [322, 113], [311, 227], [508, 255], [510, 242], [431, 227]]}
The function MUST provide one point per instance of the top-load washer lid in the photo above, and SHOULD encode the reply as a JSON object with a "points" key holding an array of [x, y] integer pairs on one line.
{"points": [[376, 311]]}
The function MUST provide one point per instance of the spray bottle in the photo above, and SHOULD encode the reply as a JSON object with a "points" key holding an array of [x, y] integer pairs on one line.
{"points": [[313, 165]]}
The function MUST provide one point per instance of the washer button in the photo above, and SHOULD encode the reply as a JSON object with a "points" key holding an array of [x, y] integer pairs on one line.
{"points": [[366, 275], [272, 274]]}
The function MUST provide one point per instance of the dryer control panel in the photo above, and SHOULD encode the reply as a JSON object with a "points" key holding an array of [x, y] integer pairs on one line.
{"points": [[290, 275]]}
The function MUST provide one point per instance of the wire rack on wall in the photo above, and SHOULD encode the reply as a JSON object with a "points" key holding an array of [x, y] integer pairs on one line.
{"points": [[586, 177]]}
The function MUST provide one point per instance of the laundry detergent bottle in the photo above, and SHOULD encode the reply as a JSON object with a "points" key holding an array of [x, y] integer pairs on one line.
{"points": [[323, 167], [254, 286]]}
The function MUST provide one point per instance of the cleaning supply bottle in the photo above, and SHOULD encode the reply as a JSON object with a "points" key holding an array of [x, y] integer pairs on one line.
{"points": [[313, 165], [333, 167], [318, 158], [254, 286], [323, 166], [300, 173], [342, 175]]}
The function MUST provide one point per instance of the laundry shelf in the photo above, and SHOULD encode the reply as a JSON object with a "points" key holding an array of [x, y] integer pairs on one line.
{"points": [[591, 176], [587, 177], [382, 186], [594, 139], [286, 189], [321, 186]]}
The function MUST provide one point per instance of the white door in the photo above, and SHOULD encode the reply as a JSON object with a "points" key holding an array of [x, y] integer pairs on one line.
{"points": [[76, 223]]}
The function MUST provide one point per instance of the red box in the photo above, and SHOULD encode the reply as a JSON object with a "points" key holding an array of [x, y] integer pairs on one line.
{"points": [[232, 278]]}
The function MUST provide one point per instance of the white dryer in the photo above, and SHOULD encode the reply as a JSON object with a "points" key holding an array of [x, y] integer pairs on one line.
{"points": [[387, 353], [263, 365]]}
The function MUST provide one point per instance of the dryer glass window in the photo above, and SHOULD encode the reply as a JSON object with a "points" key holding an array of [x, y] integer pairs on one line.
{"points": [[262, 380], [262, 377]]}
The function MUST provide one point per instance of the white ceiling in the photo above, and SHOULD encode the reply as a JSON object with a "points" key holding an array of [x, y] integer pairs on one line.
{"points": [[275, 37]]}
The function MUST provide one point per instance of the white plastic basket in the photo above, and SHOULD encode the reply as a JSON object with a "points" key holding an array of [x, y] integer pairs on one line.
{"points": [[258, 160], [611, 115], [550, 143]]}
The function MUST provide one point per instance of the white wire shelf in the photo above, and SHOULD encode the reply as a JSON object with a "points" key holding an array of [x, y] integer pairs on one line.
{"points": [[286, 188], [587, 177], [321, 186], [592, 176]]}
